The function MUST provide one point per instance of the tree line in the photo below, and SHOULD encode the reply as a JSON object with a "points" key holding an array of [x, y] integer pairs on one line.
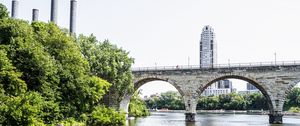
{"points": [[233, 101]]}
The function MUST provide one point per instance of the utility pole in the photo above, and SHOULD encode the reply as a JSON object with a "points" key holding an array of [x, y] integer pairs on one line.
{"points": [[188, 62], [275, 57]]}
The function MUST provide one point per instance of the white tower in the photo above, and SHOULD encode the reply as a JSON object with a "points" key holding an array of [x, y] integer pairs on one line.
{"points": [[208, 47]]}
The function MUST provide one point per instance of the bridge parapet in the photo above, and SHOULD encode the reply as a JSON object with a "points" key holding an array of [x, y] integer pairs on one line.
{"points": [[220, 66]]}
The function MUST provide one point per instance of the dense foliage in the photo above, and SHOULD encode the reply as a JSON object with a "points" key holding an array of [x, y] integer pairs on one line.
{"points": [[3, 11], [102, 116], [292, 102], [46, 77], [233, 101], [173, 100], [110, 63], [137, 106], [254, 101], [168, 100]]}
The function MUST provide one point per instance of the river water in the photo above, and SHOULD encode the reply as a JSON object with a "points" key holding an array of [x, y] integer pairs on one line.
{"points": [[177, 119]]}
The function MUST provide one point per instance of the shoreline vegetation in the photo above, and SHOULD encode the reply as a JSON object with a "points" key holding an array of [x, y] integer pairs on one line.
{"points": [[226, 103], [252, 112]]}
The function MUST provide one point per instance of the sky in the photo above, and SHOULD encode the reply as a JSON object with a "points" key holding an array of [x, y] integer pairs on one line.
{"points": [[167, 32]]}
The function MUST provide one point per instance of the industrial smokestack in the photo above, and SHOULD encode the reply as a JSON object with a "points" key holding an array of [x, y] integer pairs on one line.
{"points": [[73, 9], [53, 16], [14, 8], [35, 14]]}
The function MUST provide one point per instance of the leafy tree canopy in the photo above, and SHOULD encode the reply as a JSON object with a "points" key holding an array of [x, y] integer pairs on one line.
{"points": [[110, 63], [3, 11], [45, 78]]}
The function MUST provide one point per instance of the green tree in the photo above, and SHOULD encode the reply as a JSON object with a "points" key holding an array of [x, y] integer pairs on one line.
{"points": [[137, 107], [256, 101], [44, 59], [292, 99], [80, 91], [225, 100], [3, 11], [26, 67], [102, 116], [169, 100], [294, 109], [233, 101], [27, 55], [46, 79], [110, 63], [152, 102], [10, 81], [237, 102], [208, 103], [28, 109]]}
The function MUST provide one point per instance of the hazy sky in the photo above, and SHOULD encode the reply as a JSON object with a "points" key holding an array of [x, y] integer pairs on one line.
{"points": [[167, 32]]}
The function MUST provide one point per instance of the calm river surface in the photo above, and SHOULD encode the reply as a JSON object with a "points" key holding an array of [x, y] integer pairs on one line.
{"points": [[177, 119]]}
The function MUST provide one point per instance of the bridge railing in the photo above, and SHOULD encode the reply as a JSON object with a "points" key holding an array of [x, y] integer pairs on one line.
{"points": [[228, 65]]}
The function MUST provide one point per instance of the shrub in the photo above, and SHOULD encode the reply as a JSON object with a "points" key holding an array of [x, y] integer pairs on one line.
{"points": [[102, 116]]}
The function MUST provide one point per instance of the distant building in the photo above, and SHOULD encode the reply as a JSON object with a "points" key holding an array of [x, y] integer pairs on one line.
{"points": [[225, 84], [208, 50], [218, 88], [250, 89], [208, 58]]}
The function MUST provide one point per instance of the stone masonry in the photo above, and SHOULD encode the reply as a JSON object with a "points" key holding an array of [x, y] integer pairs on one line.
{"points": [[275, 82]]}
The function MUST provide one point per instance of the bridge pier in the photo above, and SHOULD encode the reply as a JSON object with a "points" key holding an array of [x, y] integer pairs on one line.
{"points": [[275, 118], [190, 106], [124, 104], [190, 117]]}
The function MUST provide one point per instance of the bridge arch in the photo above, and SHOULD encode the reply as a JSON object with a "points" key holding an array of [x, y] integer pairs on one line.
{"points": [[143, 81], [252, 81], [138, 82]]}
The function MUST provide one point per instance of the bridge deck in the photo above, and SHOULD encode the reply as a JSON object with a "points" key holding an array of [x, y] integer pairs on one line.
{"points": [[219, 66]]}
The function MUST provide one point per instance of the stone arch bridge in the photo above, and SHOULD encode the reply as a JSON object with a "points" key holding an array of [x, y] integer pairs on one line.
{"points": [[274, 80]]}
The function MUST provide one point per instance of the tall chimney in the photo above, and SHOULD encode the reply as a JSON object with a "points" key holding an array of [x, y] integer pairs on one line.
{"points": [[73, 9], [14, 9], [35, 14], [53, 16]]}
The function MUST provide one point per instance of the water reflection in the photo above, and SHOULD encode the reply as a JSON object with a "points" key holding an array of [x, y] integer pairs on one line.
{"points": [[190, 123], [177, 119]]}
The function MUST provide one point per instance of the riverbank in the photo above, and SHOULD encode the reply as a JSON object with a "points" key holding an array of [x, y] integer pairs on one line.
{"points": [[213, 111], [251, 112]]}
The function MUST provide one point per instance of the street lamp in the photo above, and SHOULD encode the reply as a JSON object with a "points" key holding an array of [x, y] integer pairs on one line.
{"points": [[188, 62], [275, 58]]}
